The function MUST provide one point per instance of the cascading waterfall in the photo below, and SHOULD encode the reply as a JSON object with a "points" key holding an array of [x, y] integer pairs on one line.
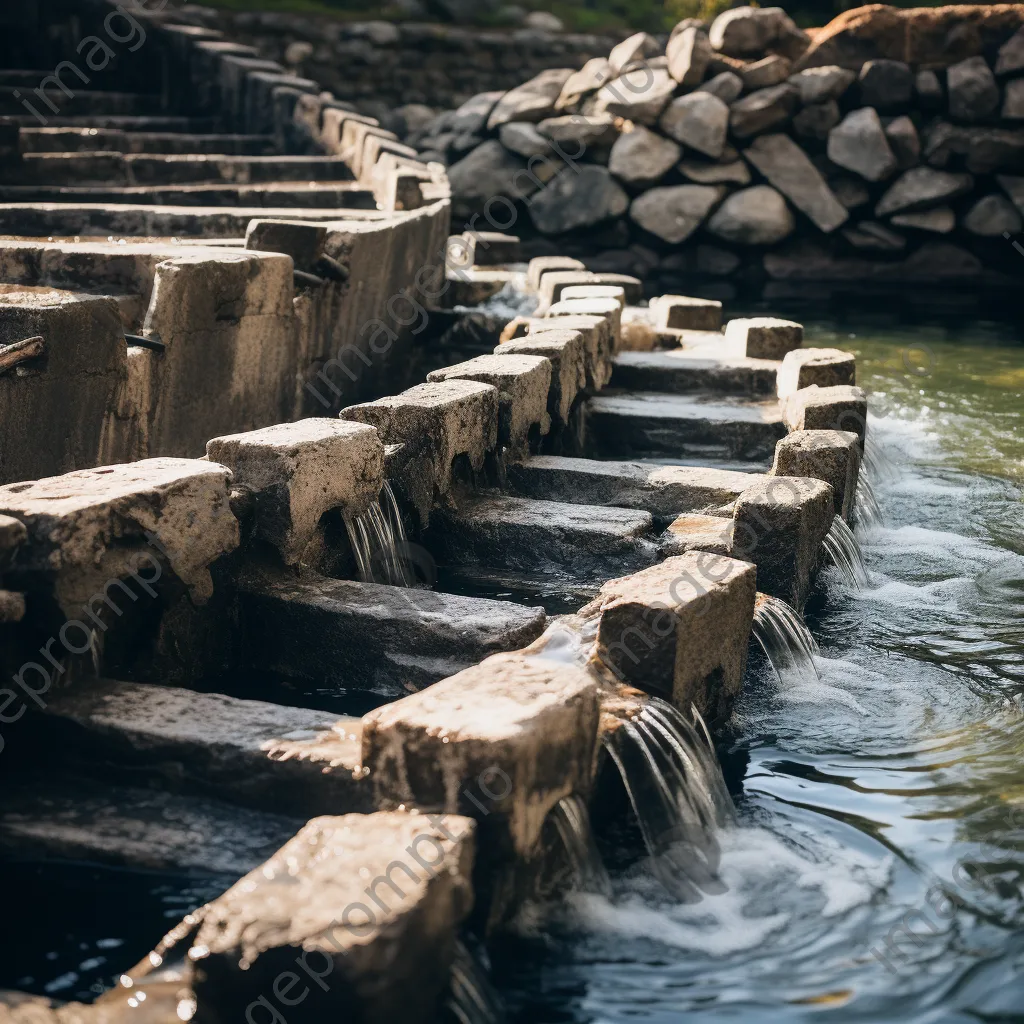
{"points": [[786, 641], [471, 1000], [572, 821], [843, 549], [675, 785], [378, 541], [866, 507]]}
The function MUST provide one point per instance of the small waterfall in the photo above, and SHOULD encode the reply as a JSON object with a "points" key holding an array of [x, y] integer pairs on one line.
{"points": [[378, 540], [676, 787], [786, 641], [866, 507], [573, 824], [843, 548], [471, 999]]}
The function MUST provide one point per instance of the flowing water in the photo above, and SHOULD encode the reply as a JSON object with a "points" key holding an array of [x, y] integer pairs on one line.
{"points": [[379, 542], [875, 871], [843, 548]]}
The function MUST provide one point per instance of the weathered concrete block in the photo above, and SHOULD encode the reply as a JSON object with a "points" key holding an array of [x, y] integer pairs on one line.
{"points": [[301, 240], [435, 423], [690, 369], [840, 407], [93, 526], [370, 637], [366, 907], [694, 531], [541, 265], [833, 456], [684, 313], [553, 282], [779, 524], [298, 471], [764, 337], [607, 308], [595, 291], [597, 339], [825, 367], [566, 351], [680, 629], [259, 754], [503, 742], [481, 249], [523, 383], [632, 286]]}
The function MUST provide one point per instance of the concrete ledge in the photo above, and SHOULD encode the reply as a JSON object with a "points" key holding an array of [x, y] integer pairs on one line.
{"points": [[681, 370]]}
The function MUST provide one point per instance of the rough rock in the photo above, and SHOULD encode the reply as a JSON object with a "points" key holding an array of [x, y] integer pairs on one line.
{"points": [[973, 93], [763, 110], [639, 95], [830, 408], [674, 213], [826, 367], [940, 220], [752, 216], [364, 896], [471, 117], [523, 384], [1010, 59], [641, 157], [490, 170], [595, 73], [635, 49], [763, 337], [760, 74], [515, 733], [532, 101], [587, 134], [928, 90], [566, 351], [681, 312], [1013, 100], [788, 168], [298, 471], [752, 30], [817, 120], [541, 265], [832, 456], [850, 191], [921, 187], [680, 630], [885, 84], [554, 282], [95, 525], [577, 199], [523, 139], [1012, 186], [727, 86], [992, 216], [779, 524], [705, 173], [859, 144], [688, 54], [699, 121], [869, 234], [819, 85], [904, 142], [597, 339]]}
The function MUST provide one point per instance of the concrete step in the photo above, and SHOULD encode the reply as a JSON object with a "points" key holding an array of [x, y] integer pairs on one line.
{"points": [[86, 820], [706, 426], [249, 752], [682, 371], [83, 103], [119, 122], [113, 140], [371, 637], [349, 195], [102, 168], [664, 491], [587, 542]]}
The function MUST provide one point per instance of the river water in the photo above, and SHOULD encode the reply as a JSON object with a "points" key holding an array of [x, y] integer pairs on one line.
{"points": [[877, 870]]}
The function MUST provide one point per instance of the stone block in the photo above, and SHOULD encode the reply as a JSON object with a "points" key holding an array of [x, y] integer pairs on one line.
{"points": [[298, 471], [523, 383], [681, 312], [595, 291], [609, 309], [597, 341], [692, 369], [355, 912], [566, 351], [779, 524], [434, 423], [541, 265], [554, 282], [763, 337], [697, 531], [825, 367], [301, 240], [832, 456], [830, 408], [680, 630]]}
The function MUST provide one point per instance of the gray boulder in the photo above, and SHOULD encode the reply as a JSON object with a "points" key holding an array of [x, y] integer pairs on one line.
{"points": [[886, 84], [472, 115], [727, 86], [973, 92], [673, 214], [532, 101], [940, 220], [698, 120], [596, 132], [752, 216], [1013, 100], [577, 198], [790, 170], [642, 157], [1010, 59], [850, 191], [763, 110], [992, 216], [874, 237], [817, 120], [688, 54], [904, 142], [735, 172], [638, 48], [818, 85], [760, 74], [921, 187], [580, 84], [858, 143], [928, 90], [490, 170], [1014, 188], [639, 95], [523, 138], [743, 31]]}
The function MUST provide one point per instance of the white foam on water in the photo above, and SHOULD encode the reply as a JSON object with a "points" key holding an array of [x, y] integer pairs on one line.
{"points": [[903, 595]]}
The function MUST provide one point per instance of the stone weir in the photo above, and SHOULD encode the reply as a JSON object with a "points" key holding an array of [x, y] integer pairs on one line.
{"points": [[308, 638], [359, 653]]}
